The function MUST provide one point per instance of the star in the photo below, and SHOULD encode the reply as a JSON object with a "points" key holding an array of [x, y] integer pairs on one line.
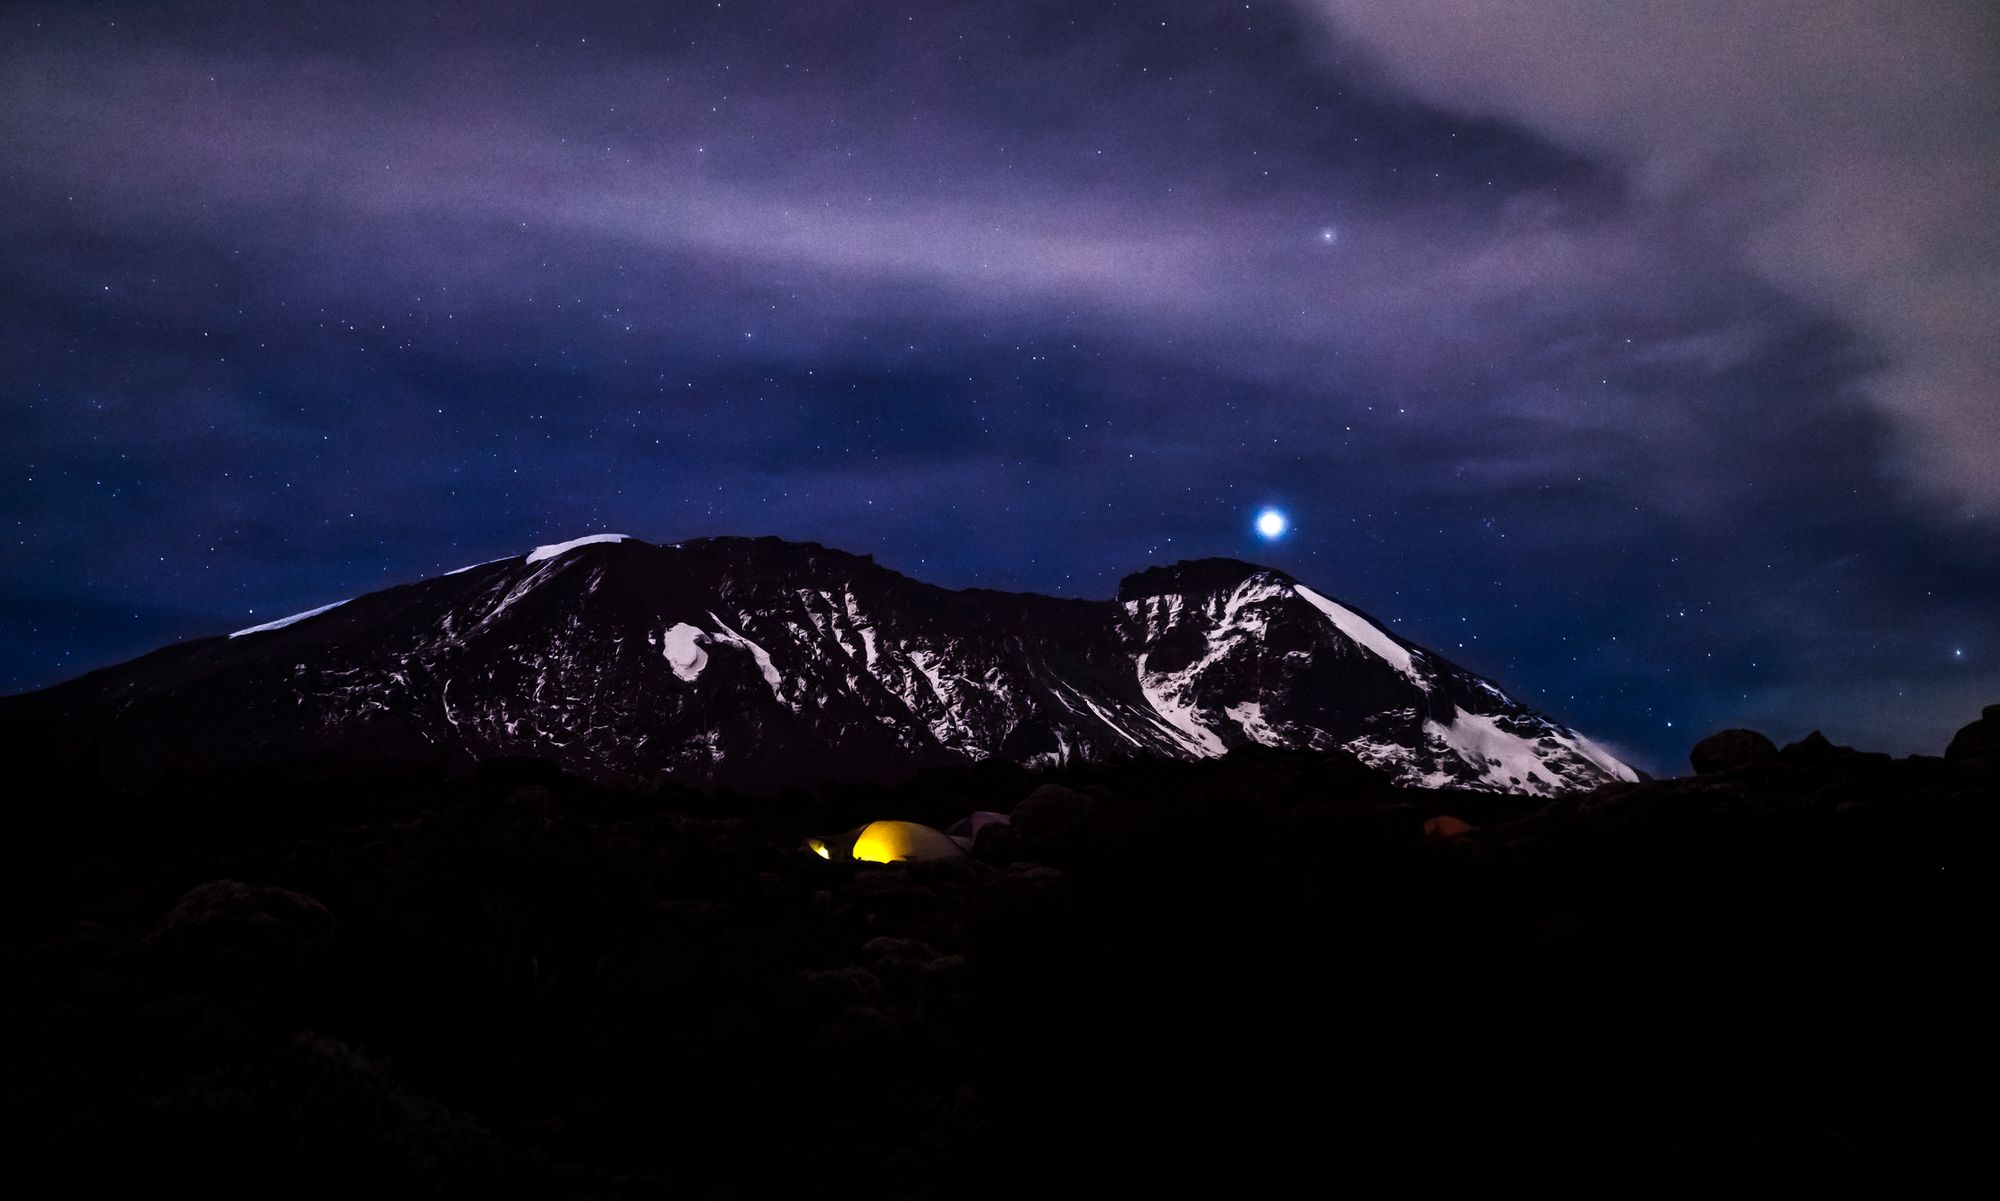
{"points": [[1271, 525]]}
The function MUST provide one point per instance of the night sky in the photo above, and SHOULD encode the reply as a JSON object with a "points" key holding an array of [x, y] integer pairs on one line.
{"points": [[1644, 356]]}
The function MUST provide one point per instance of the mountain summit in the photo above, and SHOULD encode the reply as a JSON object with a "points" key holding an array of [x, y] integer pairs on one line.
{"points": [[761, 663]]}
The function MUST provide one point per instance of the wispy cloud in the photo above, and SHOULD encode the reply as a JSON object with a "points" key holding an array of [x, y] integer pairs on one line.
{"points": [[1847, 151]]}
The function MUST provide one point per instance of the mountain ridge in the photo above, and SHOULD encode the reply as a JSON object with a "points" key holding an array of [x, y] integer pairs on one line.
{"points": [[759, 662]]}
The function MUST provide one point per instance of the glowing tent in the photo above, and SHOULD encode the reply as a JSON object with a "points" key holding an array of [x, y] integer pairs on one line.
{"points": [[1446, 827], [887, 842]]}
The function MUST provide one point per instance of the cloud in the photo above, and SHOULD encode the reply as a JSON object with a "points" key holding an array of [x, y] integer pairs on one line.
{"points": [[1847, 151]]}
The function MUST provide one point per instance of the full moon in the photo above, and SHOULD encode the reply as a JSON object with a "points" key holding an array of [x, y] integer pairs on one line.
{"points": [[1271, 523]]}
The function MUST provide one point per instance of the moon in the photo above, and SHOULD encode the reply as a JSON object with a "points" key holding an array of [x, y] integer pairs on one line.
{"points": [[1271, 524]]}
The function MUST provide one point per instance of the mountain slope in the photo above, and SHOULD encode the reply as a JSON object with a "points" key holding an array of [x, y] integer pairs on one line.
{"points": [[763, 663]]}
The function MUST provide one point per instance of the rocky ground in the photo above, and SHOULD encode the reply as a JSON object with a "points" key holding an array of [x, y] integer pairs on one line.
{"points": [[1766, 976]]}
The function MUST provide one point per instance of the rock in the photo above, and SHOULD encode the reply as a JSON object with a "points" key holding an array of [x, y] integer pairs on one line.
{"points": [[1980, 740], [891, 958], [1731, 748], [532, 809], [228, 916], [834, 989], [1816, 751], [1813, 749], [1447, 826]]}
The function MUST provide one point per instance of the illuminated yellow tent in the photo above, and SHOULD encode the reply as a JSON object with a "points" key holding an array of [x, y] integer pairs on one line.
{"points": [[887, 842]]}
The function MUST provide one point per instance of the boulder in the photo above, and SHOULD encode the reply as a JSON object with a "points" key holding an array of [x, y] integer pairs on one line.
{"points": [[835, 989], [1980, 740], [1731, 748], [532, 809], [1814, 749], [1818, 752], [230, 917]]}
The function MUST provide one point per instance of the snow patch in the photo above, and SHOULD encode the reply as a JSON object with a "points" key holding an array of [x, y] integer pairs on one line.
{"points": [[559, 548], [477, 566], [516, 593], [1250, 717], [1499, 759], [1163, 693], [682, 646], [758, 653], [1391, 758], [1498, 756], [294, 619], [1260, 587], [862, 623], [1170, 693], [1106, 719], [1486, 748], [930, 671], [947, 722], [1604, 760], [1364, 632]]}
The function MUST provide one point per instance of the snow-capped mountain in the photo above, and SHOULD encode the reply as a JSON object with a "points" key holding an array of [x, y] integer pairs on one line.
{"points": [[761, 663]]}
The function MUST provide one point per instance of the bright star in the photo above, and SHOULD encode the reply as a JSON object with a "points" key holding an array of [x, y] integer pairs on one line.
{"points": [[1271, 524], [1329, 236]]}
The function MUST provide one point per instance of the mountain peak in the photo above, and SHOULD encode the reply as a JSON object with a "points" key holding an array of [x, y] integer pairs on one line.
{"points": [[772, 548], [1193, 575], [765, 663]]}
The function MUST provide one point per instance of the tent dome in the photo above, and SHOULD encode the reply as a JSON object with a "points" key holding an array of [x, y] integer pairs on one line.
{"points": [[888, 842], [1446, 826]]}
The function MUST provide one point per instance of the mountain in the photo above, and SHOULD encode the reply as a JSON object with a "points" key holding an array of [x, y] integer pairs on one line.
{"points": [[761, 663]]}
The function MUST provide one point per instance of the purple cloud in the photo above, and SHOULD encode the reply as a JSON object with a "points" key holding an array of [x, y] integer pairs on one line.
{"points": [[1843, 150]]}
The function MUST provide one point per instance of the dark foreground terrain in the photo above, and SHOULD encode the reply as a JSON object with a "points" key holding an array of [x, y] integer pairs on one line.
{"points": [[1258, 973]]}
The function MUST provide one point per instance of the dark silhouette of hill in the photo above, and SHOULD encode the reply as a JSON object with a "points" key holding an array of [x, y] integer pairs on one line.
{"points": [[1247, 973]]}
